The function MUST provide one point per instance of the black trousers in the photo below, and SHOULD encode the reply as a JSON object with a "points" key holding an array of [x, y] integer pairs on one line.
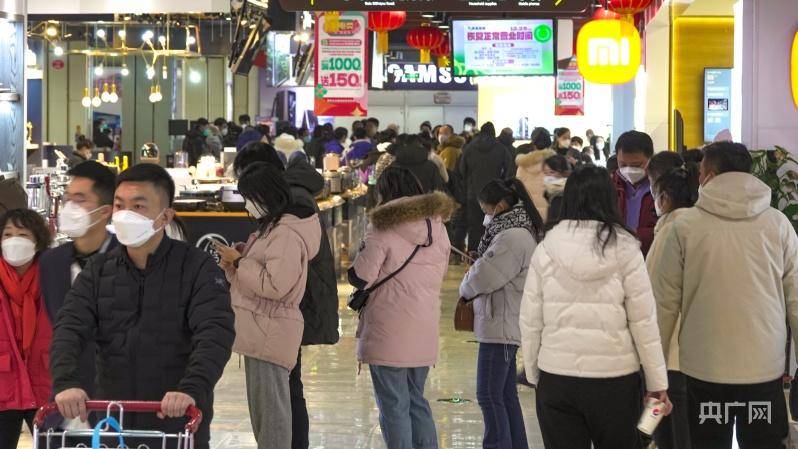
{"points": [[299, 408], [673, 431], [715, 408], [458, 228], [11, 426], [574, 412], [474, 217]]}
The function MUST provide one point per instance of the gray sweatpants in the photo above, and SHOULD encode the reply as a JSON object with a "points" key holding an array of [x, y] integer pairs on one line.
{"points": [[269, 401]]}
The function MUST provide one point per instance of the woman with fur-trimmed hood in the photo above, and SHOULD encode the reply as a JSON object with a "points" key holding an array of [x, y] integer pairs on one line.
{"points": [[398, 330], [530, 172]]}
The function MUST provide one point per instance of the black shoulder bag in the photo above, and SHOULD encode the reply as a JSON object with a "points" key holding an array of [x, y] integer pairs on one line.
{"points": [[359, 298]]}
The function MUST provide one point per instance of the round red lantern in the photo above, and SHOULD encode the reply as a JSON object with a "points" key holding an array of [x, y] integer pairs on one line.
{"points": [[384, 21], [443, 52], [605, 14], [424, 39], [627, 7]]}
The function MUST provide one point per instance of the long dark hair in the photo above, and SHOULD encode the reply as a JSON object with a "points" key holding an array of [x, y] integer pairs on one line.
{"points": [[398, 182], [512, 191], [590, 195], [264, 185], [681, 185]]}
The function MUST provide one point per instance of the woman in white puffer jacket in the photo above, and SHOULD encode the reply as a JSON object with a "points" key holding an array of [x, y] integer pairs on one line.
{"points": [[588, 322]]}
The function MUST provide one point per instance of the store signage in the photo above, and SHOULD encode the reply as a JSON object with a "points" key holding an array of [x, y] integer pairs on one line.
{"points": [[794, 70], [442, 98], [415, 76], [717, 102], [608, 51], [569, 91], [340, 87], [559, 7]]}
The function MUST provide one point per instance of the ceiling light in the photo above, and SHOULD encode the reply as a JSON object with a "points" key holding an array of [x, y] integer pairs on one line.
{"points": [[122, 34], [86, 100], [444, 26], [58, 50], [147, 35], [162, 40], [163, 71], [113, 97], [194, 76], [127, 18], [191, 40], [150, 72], [155, 94], [106, 95], [98, 71], [428, 14], [125, 71], [101, 33], [96, 101], [51, 31]]}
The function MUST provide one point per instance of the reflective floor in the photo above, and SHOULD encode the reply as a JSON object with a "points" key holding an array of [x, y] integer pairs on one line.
{"points": [[341, 404]]}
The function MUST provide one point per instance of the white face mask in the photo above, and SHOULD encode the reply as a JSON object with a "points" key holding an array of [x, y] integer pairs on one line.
{"points": [[468, 127], [74, 221], [657, 207], [550, 180], [133, 229], [487, 220], [254, 210], [632, 174], [18, 251], [565, 143], [224, 131]]}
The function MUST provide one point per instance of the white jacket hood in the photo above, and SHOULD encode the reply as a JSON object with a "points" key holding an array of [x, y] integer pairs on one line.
{"points": [[734, 195], [566, 246]]}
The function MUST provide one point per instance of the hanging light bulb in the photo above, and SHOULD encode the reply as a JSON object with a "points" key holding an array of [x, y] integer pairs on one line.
{"points": [[163, 71], [98, 71], [86, 100], [125, 71], [58, 50], [113, 97], [51, 31], [162, 40], [147, 35], [122, 34], [101, 33], [96, 101], [191, 40], [158, 96], [150, 72], [106, 95]]}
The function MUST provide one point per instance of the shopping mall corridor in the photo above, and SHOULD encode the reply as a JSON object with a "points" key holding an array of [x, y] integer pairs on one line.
{"points": [[342, 411]]}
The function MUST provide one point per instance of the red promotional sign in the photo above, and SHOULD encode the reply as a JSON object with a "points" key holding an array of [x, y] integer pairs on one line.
{"points": [[57, 64], [569, 91], [341, 62]]}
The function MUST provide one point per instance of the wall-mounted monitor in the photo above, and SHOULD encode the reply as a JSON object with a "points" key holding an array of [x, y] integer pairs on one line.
{"points": [[503, 47], [717, 102]]}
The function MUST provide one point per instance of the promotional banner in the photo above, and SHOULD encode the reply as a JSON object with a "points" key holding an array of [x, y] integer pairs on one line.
{"points": [[569, 91], [561, 8], [717, 102], [503, 47], [341, 62], [415, 76]]}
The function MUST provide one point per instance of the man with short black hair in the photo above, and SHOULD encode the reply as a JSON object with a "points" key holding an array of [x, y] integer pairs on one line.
{"points": [[729, 270], [372, 127], [245, 121], [635, 202], [157, 309]]}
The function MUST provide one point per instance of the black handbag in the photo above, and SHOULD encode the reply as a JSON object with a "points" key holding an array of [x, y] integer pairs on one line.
{"points": [[359, 298]]}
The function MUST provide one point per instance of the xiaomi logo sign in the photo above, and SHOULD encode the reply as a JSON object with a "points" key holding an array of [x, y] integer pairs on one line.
{"points": [[608, 51], [794, 70]]}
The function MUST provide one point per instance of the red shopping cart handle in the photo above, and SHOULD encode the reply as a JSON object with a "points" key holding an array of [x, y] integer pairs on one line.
{"points": [[193, 414]]}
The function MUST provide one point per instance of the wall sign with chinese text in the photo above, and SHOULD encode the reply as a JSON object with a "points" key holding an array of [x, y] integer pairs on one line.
{"points": [[341, 61], [559, 7], [569, 91]]}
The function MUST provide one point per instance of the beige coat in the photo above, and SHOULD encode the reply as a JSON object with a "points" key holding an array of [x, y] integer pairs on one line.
{"points": [[268, 286], [530, 172], [729, 267]]}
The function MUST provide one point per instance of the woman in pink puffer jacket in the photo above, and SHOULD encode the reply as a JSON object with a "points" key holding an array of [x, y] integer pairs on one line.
{"points": [[398, 331]]}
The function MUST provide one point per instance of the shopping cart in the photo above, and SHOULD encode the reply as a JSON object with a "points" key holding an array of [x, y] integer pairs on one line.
{"points": [[110, 427]]}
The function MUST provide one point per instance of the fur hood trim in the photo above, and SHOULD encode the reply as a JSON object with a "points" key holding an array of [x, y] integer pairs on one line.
{"points": [[534, 158], [410, 209], [454, 141]]}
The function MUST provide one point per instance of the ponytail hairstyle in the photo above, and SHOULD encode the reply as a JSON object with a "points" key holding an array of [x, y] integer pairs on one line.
{"points": [[264, 185], [680, 184], [512, 191]]}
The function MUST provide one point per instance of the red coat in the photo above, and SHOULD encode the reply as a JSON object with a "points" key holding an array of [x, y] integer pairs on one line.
{"points": [[24, 384], [648, 214]]}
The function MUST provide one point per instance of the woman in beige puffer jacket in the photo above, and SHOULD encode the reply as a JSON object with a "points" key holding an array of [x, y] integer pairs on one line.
{"points": [[530, 172]]}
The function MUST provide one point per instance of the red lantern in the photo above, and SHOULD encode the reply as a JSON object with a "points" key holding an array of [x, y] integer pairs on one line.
{"points": [[424, 39], [627, 8], [605, 14], [384, 21], [443, 52]]}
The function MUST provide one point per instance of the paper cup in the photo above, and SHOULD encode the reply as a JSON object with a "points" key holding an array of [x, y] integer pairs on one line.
{"points": [[652, 415]]}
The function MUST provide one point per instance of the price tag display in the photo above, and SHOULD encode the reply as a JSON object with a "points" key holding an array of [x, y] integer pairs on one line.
{"points": [[340, 67]]}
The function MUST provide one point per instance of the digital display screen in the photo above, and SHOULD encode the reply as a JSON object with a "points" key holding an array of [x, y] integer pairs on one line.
{"points": [[503, 47], [717, 97]]}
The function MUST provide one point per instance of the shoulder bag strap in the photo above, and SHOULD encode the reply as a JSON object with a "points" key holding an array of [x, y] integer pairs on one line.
{"points": [[407, 262]]}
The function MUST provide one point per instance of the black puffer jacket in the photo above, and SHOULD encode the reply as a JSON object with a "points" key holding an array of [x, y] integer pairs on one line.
{"points": [[319, 306], [483, 160], [416, 159], [166, 328]]}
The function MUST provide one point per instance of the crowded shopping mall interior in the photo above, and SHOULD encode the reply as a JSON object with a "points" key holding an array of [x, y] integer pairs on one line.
{"points": [[399, 224]]}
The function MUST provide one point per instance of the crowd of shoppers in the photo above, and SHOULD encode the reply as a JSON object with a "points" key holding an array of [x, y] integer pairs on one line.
{"points": [[617, 286]]}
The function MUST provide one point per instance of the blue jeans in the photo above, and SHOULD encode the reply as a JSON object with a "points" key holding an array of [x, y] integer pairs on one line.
{"points": [[405, 416], [497, 395]]}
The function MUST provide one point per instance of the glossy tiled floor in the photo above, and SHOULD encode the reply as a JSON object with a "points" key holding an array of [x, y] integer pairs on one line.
{"points": [[342, 411]]}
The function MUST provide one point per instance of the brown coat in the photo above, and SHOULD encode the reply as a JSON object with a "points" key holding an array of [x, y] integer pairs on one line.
{"points": [[530, 172], [451, 152]]}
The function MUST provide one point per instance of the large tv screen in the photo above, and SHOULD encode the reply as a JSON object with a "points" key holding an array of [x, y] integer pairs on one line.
{"points": [[717, 102], [503, 47]]}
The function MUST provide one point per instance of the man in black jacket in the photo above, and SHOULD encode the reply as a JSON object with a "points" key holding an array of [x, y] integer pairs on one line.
{"points": [[89, 203], [319, 306], [483, 160], [158, 310], [414, 155]]}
